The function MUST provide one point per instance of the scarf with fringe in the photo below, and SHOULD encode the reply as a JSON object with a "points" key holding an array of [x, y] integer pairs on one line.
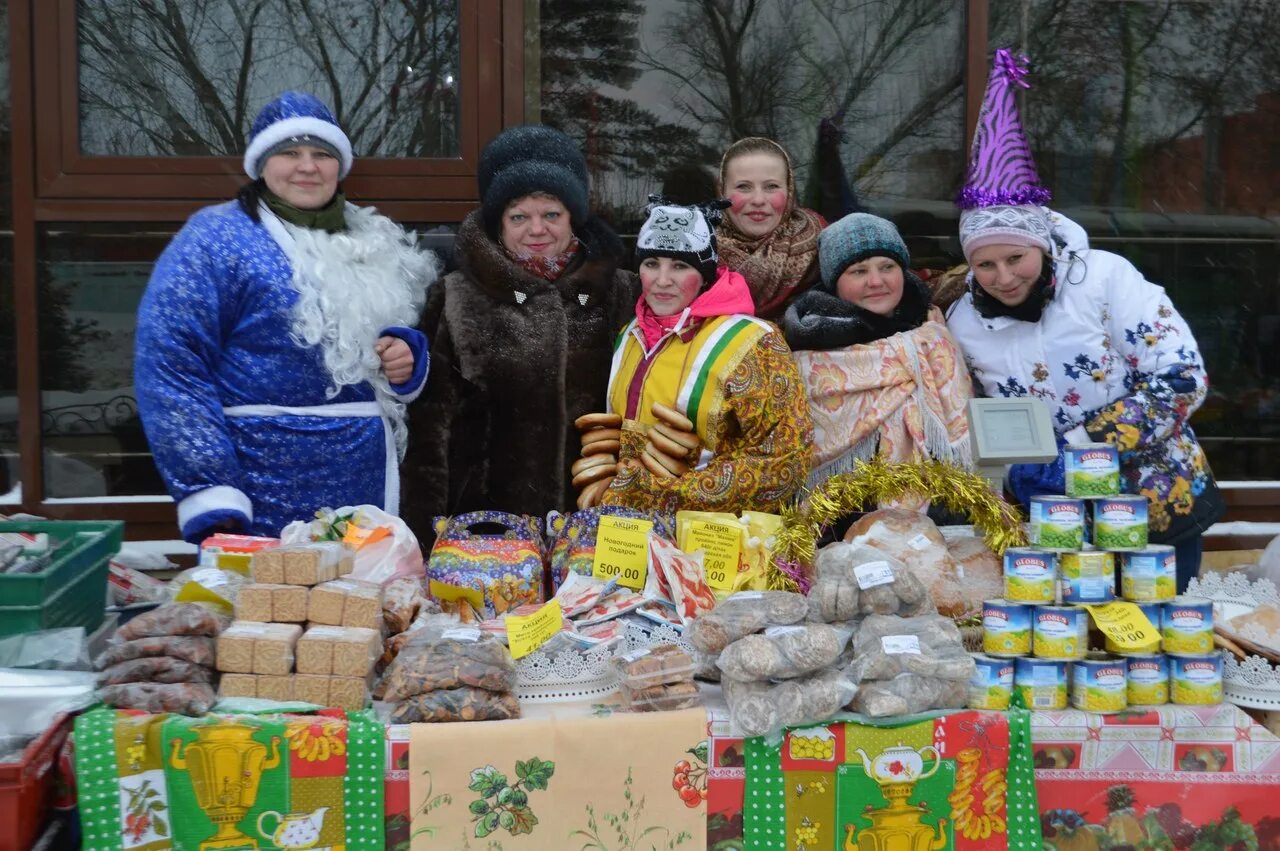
{"points": [[773, 264], [902, 398], [351, 286]]}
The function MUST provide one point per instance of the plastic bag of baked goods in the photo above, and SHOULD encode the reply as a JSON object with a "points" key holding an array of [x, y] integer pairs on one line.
{"points": [[402, 599], [764, 709], [196, 649], [176, 619], [456, 704], [783, 652], [853, 580], [182, 698], [742, 614], [448, 658], [913, 539], [980, 573], [155, 669], [906, 694], [932, 646]]}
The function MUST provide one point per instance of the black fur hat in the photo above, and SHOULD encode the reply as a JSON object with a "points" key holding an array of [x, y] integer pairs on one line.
{"points": [[531, 158]]}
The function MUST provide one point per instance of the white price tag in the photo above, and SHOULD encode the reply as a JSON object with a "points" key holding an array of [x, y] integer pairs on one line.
{"points": [[873, 573], [748, 595], [896, 645], [776, 631], [920, 542], [462, 634]]}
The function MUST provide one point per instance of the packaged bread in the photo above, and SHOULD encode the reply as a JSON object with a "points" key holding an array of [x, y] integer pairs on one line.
{"points": [[913, 539], [851, 580], [783, 652], [742, 614], [260, 648], [402, 599], [340, 650], [196, 649], [254, 603], [346, 602], [660, 697], [980, 575], [456, 704], [182, 698], [654, 666], [238, 685], [311, 688], [887, 645], [909, 693], [444, 659], [154, 669], [268, 603], [764, 709], [174, 619], [313, 563], [275, 687], [267, 567]]}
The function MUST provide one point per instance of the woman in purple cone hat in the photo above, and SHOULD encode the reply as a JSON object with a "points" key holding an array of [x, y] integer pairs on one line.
{"points": [[1081, 329]]}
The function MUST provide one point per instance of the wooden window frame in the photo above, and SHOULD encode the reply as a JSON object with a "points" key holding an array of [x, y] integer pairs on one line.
{"points": [[64, 172]]}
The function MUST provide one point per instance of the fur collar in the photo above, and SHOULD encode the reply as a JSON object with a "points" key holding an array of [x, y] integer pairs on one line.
{"points": [[819, 320], [589, 275]]}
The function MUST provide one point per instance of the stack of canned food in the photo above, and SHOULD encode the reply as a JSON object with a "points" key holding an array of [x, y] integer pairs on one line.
{"points": [[1036, 638]]}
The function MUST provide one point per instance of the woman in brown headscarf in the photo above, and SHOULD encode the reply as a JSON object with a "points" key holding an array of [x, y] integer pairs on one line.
{"points": [[765, 237]]}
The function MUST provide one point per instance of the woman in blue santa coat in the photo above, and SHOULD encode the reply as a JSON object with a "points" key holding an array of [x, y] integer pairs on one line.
{"points": [[275, 345]]}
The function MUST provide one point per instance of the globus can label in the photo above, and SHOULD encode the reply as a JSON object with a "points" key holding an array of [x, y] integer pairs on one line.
{"points": [[1196, 679], [1030, 576], [1186, 625], [1006, 628], [1120, 523], [1154, 613], [1148, 679], [1057, 522], [1059, 632], [1092, 469], [1149, 574], [992, 684], [1041, 682], [1099, 685], [1088, 576]]}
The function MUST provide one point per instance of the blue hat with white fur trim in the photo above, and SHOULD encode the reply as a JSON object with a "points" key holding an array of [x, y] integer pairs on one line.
{"points": [[295, 118]]}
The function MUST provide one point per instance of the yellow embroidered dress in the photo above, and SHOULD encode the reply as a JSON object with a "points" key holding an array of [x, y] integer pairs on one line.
{"points": [[734, 378]]}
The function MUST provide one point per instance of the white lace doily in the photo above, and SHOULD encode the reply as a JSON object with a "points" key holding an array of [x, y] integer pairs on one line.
{"points": [[1254, 682], [576, 675]]}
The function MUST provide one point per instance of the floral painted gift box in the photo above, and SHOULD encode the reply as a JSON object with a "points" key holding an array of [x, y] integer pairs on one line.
{"points": [[487, 561]]}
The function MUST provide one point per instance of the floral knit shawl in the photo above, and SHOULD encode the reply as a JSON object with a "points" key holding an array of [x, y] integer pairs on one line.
{"points": [[773, 264], [902, 398], [547, 268]]}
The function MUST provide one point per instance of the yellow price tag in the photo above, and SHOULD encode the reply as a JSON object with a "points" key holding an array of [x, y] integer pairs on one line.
{"points": [[721, 545], [448, 593], [194, 592], [1125, 624], [238, 562], [622, 551], [526, 633]]}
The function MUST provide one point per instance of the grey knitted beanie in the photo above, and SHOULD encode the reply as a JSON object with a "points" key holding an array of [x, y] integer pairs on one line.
{"points": [[856, 237]]}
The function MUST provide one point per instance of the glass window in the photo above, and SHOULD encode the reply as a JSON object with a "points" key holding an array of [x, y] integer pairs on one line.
{"points": [[1155, 125], [864, 94], [187, 78], [90, 279], [9, 467]]}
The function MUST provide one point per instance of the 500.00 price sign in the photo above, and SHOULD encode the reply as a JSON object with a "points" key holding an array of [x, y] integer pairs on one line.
{"points": [[622, 551]]}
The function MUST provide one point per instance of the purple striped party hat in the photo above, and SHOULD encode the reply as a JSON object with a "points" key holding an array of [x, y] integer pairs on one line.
{"points": [[1001, 170]]}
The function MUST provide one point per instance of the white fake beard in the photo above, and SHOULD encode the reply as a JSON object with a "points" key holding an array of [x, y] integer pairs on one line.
{"points": [[351, 286]]}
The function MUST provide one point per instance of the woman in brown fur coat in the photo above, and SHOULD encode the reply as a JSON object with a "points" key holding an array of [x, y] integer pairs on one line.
{"points": [[521, 338]]}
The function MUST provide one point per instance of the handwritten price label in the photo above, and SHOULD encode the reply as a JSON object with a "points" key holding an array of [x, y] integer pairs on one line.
{"points": [[526, 633], [1125, 624], [622, 551], [721, 545]]}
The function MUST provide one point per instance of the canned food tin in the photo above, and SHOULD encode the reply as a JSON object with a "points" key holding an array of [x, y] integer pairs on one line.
{"points": [[1006, 628], [1030, 576], [992, 684], [1120, 523], [1092, 469], [1099, 685], [1057, 522], [1088, 576], [1154, 613], [1059, 632], [1041, 682], [1196, 678], [1186, 625], [1149, 574], [1148, 679]]}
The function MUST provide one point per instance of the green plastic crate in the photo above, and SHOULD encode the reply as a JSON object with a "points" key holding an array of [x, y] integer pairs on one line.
{"points": [[70, 592]]}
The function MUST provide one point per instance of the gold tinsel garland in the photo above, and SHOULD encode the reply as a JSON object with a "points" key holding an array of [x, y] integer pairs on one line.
{"points": [[876, 481]]}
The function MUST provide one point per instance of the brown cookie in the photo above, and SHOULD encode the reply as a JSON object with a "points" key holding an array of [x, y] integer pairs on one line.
{"points": [[587, 422], [602, 447], [671, 416], [598, 434], [590, 461], [595, 474]]}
